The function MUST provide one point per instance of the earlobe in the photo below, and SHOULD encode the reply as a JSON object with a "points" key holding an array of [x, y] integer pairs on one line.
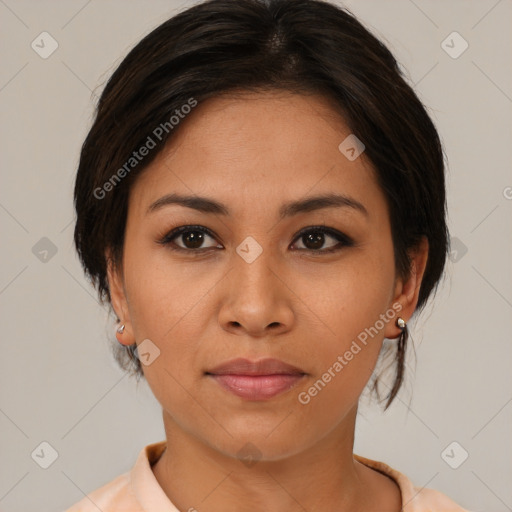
{"points": [[123, 340]]}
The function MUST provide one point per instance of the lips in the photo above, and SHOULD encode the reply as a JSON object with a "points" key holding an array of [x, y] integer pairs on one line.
{"points": [[267, 366], [256, 380]]}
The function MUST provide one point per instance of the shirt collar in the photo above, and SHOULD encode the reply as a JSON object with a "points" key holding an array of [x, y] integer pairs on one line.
{"points": [[152, 497], [144, 483]]}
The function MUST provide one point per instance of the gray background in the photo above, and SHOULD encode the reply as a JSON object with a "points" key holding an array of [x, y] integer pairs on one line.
{"points": [[58, 381]]}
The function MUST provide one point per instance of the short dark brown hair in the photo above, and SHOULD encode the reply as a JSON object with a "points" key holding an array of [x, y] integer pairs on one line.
{"points": [[302, 46]]}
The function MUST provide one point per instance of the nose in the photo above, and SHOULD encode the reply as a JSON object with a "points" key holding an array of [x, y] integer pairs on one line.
{"points": [[256, 300]]}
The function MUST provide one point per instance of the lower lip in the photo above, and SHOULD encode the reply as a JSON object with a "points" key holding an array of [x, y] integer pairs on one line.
{"points": [[257, 387]]}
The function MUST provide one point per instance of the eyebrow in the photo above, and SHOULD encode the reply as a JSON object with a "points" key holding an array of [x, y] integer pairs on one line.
{"points": [[207, 205]]}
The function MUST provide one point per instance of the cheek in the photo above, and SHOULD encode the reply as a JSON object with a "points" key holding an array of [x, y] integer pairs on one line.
{"points": [[167, 306], [349, 338], [355, 294], [157, 296]]}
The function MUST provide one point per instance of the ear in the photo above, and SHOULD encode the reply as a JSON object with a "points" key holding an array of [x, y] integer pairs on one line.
{"points": [[118, 297], [407, 291]]}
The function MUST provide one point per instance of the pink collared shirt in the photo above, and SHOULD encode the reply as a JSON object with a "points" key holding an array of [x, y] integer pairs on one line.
{"points": [[138, 490]]}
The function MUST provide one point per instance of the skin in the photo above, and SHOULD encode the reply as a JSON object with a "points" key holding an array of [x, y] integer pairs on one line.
{"points": [[253, 153]]}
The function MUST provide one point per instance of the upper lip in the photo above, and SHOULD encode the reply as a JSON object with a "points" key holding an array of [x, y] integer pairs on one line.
{"points": [[241, 366]]}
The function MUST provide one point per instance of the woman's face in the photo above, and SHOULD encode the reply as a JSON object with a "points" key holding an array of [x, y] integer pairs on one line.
{"points": [[251, 285]]}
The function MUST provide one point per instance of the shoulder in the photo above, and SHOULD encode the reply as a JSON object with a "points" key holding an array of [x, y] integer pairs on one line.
{"points": [[134, 491], [414, 499], [113, 496], [430, 500]]}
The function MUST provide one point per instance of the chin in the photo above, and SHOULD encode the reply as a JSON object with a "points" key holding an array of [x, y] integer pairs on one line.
{"points": [[257, 445]]}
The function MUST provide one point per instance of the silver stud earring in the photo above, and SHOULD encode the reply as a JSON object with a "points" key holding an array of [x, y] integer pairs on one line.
{"points": [[120, 329], [400, 323]]}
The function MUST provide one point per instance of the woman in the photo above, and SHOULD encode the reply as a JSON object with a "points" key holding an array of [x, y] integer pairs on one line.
{"points": [[261, 201]]}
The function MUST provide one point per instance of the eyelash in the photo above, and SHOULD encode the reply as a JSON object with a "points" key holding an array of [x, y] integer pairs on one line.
{"points": [[343, 239]]}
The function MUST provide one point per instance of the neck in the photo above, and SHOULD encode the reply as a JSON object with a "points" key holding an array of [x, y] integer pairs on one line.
{"points": [[325, 476]]}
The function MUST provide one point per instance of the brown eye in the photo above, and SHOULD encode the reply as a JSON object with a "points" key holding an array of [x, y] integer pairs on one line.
{"points": [[313, 239], [192, 239], [188, 238]]}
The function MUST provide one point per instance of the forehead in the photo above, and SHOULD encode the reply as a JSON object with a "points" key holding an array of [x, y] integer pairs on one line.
{"points": [[278, 126], [254, 147]]}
